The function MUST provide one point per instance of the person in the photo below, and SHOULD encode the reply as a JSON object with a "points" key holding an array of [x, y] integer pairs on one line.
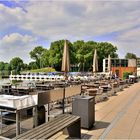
{"points": [[70, 78], [113, 76], [116, 76]]}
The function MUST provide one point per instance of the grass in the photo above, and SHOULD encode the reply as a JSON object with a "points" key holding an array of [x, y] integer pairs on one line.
{"points": [[48, 69]]}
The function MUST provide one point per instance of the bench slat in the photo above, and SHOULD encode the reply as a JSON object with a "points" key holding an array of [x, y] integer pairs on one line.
{"points": [[55, 130], [35, 130], [48, 129]]}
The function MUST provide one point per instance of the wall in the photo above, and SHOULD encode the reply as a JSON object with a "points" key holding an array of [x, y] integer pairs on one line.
{"points": [[123, 69]]}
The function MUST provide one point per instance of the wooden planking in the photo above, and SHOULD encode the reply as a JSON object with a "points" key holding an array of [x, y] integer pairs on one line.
{"points": [[73, 90], [49, 129], [55, 129], [41, 127]]}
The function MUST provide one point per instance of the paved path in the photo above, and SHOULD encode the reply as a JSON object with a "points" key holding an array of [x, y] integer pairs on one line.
{"points": [[117, 118]]}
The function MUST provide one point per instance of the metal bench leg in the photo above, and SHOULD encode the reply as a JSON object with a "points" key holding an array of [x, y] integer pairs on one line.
{"points": [[34, 116], [74, 130], [1, 122], [17, 123]]}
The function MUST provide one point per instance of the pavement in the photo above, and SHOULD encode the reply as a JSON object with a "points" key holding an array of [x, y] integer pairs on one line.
{"points": [[116, 118]]}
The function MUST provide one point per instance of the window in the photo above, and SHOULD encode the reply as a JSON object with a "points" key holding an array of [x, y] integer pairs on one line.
{"points": [[124, 63]]}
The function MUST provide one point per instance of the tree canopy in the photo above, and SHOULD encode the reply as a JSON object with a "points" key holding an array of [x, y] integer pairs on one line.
{"points": [[16, 64], [36, 54], [81, 56], [81, 53], [130, 56]]}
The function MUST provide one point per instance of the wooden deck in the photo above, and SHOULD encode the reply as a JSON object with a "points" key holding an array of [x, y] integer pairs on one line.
{"points": [[116, 118]]}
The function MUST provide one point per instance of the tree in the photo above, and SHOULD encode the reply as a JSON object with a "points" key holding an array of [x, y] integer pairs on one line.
{"points": [[25, 67], [7, 68], [84, 54], [130, 56], [103, 50], [81, 54], [16, 64], [36, 54], [2, 66], [56, 54], [85, 50], [45, 58], [33, 65]]}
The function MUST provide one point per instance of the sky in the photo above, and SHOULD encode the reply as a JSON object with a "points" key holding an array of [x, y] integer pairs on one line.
{"points": [[25, 24]]}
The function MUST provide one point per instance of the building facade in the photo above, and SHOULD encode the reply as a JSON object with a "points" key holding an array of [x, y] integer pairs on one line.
{"points": [[138, 66], [120, 66]]}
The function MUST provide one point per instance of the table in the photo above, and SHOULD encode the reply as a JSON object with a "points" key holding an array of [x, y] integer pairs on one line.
{"points": [[6, 88], [22, 89], [105, 88], [92, 91], [17, 112], [44, 87]]}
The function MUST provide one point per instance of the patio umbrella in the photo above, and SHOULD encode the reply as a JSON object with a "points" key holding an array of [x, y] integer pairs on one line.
{"points": [[109, 64], [95, 62], [66, 60]]}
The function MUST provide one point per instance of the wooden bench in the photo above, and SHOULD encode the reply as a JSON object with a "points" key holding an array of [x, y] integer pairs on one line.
{"points": [[70, 124]]}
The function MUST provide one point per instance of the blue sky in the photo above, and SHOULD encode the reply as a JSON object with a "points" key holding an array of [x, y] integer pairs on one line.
{"points": [[29, 23]]}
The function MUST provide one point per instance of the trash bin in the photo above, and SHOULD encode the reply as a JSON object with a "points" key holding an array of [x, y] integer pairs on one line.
{"points": [[84, 106]]}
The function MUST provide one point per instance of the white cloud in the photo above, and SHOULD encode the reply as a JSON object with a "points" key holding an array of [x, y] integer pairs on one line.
{"points": [[80, 19], [132, 35], [129, 42], [50, 19], [16, 45], [10, 17]]}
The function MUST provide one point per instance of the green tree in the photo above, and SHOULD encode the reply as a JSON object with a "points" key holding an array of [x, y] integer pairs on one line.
{"points": [[36, 54], [45, 58], [90, 47], [78, 49], [16, 64], [85, 50], [32, 65], [7, 68], [2, 66], [56, 54], [81, 54], [25, 67], [84, 54], [130, 56], [103, 50]]}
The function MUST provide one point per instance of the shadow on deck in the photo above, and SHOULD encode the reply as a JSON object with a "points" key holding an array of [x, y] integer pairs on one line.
{"points": [[100, 125]]}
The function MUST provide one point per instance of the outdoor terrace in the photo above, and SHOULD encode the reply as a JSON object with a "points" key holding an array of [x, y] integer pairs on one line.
{"points": [[116, 118]]}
